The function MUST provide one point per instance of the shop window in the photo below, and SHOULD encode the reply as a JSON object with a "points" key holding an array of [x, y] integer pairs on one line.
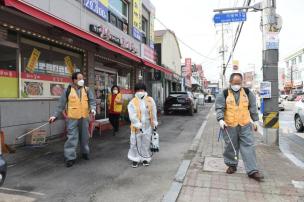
{"points": [[103, 84], [113, 19], [124, 81], [125, 28], [144, 27], [120, 8], [120, 23], [46, 69], [8, 72]]}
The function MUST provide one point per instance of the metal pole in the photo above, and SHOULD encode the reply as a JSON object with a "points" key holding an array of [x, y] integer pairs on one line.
{"points": [[270, 73]]}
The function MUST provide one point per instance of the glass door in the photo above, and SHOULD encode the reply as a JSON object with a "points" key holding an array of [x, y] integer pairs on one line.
{"points": [[103, 84]]}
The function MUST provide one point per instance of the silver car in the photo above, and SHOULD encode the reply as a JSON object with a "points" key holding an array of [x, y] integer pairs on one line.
{"points": [[299, 115]]}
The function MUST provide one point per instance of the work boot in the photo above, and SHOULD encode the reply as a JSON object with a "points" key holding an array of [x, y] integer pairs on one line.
{"points": [[69, 163], [146, 163], [86, 156], [256, 176], [231, 169], [134, 164]]}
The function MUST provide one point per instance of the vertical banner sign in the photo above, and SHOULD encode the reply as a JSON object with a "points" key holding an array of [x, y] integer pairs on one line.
{"points": [[68, 62], [137, 19], [152, 30], [31, 65], [99, 7], [188, 72]]}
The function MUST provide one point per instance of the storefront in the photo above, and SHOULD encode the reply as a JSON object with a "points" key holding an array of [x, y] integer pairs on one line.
{"points": [[39, 52], [35, 67], [109, 72]]}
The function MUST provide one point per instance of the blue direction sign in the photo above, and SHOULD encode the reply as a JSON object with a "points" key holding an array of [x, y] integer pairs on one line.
{"points": [[229, 17]]}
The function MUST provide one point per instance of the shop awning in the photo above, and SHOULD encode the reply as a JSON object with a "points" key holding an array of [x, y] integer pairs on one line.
{"points": [[53, 20], [157, 67], [48, 18]]}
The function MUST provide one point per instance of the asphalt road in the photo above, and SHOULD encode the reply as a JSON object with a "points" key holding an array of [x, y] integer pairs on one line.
{"points": [[291, 142], [38, 174]]}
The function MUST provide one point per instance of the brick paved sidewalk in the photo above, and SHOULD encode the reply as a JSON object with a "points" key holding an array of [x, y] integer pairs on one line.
{"points": [[201, 185]]}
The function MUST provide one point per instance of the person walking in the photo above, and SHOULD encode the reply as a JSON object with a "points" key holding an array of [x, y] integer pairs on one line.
{"points": [[143, 117], [237, 115], [115, 103], [77, 102]]}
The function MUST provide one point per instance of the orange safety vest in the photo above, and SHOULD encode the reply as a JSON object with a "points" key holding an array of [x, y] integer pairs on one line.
{"points": [[136, 103], [117, 107], [237, 114], [78, 108]]}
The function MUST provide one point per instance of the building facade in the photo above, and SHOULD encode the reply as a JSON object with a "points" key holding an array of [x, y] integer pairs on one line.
{"points": [[43, 42], [169, 56], [294, 72]]}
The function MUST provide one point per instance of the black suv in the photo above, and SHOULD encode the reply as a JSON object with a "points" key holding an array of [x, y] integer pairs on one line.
{"points": [[180, 101]]}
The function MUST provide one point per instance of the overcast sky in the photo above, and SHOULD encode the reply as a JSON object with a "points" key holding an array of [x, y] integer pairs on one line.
{"points": [[192, 22]]}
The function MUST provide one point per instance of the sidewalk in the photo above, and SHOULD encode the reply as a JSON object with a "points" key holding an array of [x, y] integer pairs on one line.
{"points": [[206, 179]]}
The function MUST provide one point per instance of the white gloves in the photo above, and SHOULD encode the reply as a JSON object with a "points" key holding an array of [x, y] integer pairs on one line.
{"points": [[222, 124], [93, 112], [52, 119], [255, 125]]}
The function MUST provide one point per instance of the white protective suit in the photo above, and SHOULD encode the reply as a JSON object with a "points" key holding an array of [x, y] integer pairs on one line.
{"points": [[143, 139]]}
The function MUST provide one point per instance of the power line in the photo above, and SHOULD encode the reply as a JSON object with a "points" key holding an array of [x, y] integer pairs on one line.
{"points": [[237, 36], [185, 44]]}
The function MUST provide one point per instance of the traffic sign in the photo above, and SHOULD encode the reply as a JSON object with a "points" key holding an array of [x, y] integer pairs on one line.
{"points": [[230, 17]]}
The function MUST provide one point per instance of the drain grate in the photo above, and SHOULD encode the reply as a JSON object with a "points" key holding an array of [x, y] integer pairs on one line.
{"points": [[215, 164]]}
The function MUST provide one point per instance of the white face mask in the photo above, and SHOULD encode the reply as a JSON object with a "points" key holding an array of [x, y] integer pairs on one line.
{"points": [[115, 91], [141, 95], [235, 88], [80, 83]]}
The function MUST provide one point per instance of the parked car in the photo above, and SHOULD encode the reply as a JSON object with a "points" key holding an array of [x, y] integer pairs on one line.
{"points": [[299, 115], [3, 167], [291, 97], [209, 98], [181, 101], [284, 96], [200, 98], [299, 97]]}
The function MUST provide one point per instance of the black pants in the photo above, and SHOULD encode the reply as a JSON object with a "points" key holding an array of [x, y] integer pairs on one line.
{"points": [[114, 120]]}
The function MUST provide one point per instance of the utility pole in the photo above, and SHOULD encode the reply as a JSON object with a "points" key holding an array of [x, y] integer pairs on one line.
{"points": [[271, 25], [270, 71]]}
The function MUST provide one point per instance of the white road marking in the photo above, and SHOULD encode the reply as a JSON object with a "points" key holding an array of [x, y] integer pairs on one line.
{"points": [[22, 191]]}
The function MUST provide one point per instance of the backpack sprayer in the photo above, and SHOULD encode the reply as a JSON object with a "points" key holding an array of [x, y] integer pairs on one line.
{"points": [[154, 143]]}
